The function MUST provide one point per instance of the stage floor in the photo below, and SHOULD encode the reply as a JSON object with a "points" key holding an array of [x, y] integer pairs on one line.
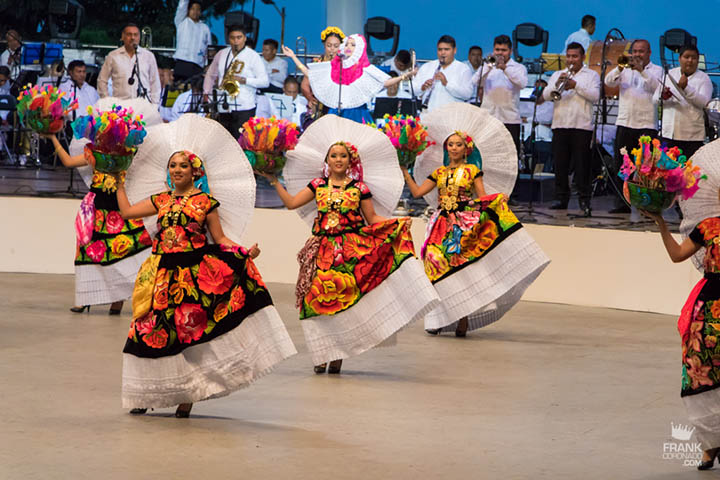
{"points": [[551, 391], [31, 181]]}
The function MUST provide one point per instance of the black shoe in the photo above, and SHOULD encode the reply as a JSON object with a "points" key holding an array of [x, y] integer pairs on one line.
{"points": [[80, 309], [462, 326], [623, 209], [335, 366], [320, 368], [559, 206], [183, 410], [138, 411], [433, 331], [709, 464], [587, 211]]}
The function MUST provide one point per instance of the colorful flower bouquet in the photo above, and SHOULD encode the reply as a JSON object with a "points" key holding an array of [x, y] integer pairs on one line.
{"points": [[265, 140], [408, 136], [114, 136], [657, 175], [43, 109]]}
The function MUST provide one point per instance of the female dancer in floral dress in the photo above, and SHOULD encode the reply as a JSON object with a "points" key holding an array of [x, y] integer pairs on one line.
{"points": [[106, 266], [203, 321], [359, 280], [476, 253]]}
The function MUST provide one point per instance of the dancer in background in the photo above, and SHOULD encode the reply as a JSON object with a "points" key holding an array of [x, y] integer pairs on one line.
{"points": [[349, 82], [331, 38], [107, 261], [476, 253]]}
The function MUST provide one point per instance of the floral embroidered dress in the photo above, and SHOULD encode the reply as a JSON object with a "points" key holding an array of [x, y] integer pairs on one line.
{"points": [[105, 267], [345, 305], [460, 237], [205, 324]]}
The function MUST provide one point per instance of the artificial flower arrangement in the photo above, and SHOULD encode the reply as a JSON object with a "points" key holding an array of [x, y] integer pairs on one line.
{"points": [[114, 137], [657, 175], [408, 136], [265, 141], [43, 109]]}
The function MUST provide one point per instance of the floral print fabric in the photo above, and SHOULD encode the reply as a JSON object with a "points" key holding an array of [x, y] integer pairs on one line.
{"points": [[200, 290], [700, 349], [463, 230], [113, 238], [352, 258]]}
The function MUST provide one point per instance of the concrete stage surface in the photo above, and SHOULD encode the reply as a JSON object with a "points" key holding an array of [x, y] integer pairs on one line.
{"points": [[551, 391]]}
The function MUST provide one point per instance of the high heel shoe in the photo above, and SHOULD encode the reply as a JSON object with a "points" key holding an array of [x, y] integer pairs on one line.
{"points": [[707, 465], [433, 331], [80, 309], [320, 368], [462, 326], [138, 411], [335, 366], [183, 410]]}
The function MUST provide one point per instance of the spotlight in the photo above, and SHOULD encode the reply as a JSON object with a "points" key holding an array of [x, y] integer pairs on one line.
{"points": [[382, 28]]}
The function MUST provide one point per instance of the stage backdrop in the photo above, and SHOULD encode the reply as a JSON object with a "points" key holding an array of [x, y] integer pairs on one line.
{"points": [[591, 267]]}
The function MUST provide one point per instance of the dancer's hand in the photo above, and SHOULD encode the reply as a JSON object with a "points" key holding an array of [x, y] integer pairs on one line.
{"points": [[288, 52], [254, 251], [655, 217]]}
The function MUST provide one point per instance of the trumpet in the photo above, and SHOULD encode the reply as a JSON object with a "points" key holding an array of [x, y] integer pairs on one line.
{"points": [[491, 59], [229, 84], [556, 94], [624, 61]]}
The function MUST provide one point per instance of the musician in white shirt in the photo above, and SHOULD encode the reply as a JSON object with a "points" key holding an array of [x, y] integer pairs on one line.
{"points": [[572, 127], [687, 91], [192, 37], [582, 36], [12, 56], [444, 80], [133, 69], [637, 114], [501, 85], [251, 76], [401, 64], [276, 67], [76, 87]]}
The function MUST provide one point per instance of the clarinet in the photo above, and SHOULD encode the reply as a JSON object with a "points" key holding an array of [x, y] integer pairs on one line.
{"points": [[426, 101]]}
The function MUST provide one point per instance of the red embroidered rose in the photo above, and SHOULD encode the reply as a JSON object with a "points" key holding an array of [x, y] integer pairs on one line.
{"points": [[96, 251], [190, 322], [197, 238], [114, 222], [403, 243], [146, 324], [156, 339], [254, 273], [197, 206], [214, 275], [374, 268], [144, 238], [237, 300], [438, 231]]}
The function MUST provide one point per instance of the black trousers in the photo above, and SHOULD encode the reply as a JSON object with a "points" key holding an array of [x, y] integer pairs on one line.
{"points": [[514, 129], [271, 89], [184, 70], [572, 146], [628, 138], [688, 147], [233, 121]]}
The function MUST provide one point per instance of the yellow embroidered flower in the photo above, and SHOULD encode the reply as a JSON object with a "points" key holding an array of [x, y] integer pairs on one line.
{"points": [[436, 265], [507, 217], [120, 245], [183, 284]]}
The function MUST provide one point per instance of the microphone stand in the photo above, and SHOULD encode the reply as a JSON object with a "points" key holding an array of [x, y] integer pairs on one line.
{"points": [[141, 90], [339, 109]]}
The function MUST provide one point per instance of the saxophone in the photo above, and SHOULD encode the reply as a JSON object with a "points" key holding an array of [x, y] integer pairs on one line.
{"points": [[229, 84]]}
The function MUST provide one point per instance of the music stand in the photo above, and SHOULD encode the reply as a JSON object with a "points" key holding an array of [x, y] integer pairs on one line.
{"points": [[393, 106]]}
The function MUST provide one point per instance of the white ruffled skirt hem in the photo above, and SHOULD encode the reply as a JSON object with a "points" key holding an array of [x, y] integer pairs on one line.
{"points": [[704, 414], [208, 370], [399, 300], [488, 288], [97, 284]]}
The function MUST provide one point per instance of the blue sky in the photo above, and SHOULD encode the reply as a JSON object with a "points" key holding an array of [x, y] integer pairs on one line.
{"points": [[423, 21]]}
